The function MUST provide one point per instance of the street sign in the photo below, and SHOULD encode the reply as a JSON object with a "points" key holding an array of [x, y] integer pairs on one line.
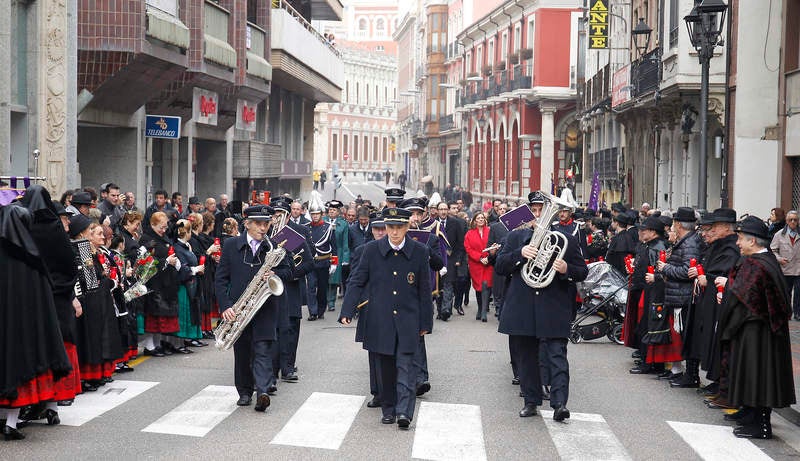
{"points": [[162, 126], [598, 25], [346, 156]]}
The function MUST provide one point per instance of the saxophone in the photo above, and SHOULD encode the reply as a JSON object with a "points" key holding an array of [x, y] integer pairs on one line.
{"points": [[538, 272], [255, 295]]}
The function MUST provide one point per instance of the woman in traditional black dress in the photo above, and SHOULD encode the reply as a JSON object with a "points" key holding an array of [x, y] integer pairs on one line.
{"points": [[161, 305], [205, 246]]}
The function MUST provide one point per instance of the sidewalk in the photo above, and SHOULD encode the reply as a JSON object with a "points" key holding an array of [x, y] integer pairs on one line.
{"points": [[794, 335]]}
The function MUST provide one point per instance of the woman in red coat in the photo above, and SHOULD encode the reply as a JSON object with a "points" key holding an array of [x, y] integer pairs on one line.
{"points": [[480, 271]]}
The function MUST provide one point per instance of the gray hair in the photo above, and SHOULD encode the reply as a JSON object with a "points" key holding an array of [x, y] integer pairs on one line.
{"points": [[687, 226]]}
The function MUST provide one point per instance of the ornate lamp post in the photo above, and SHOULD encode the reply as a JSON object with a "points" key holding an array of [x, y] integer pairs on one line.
{"points": [[704, 24]]}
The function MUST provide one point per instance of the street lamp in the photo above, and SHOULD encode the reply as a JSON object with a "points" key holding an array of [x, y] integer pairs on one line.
{"points": [[704, 24], [641, 37]]}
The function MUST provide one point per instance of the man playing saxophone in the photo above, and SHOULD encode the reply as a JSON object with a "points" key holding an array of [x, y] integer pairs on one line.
{"points": [[540, 314], [242, 258]]}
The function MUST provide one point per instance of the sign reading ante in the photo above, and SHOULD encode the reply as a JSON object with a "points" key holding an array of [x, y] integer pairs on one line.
{"points": [[598, 25]]}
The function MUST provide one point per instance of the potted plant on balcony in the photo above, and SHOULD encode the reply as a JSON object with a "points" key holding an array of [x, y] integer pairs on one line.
{"points": [[487, 70], [513, 58], [500, 66], [525, 53]]}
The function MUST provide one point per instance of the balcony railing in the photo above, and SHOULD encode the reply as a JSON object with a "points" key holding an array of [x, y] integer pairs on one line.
{"points": [[257, 37], [217, 48], [257, 65], [644, 73], [446, 123], [522, 76], [299, 18]]}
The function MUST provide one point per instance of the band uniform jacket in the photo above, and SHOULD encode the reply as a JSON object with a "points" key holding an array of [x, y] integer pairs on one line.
{"points": [[540, 312], [323, 243], [399, 293], [237, 267], [454, 231]]}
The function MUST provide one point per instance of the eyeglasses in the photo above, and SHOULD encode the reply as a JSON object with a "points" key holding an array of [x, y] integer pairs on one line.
{"points": [[793, 219]]}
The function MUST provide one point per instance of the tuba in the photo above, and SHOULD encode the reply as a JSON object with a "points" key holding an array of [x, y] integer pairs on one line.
{"points": [[538, 272], [254, 296]]}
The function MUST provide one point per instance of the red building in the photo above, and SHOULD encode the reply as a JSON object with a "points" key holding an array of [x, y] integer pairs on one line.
{"points": [[517, 98]]}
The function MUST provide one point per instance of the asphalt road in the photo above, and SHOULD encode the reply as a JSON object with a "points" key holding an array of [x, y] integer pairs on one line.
{"points": [[471, 412]]}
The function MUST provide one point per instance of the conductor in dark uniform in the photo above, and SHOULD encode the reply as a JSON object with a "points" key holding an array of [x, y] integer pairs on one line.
{"points": [[393, 274], [242, 258], [533, 314]]}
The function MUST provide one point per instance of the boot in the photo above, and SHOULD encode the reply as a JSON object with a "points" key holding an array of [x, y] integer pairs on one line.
{"points": [[485, 293], [691, 377], [760, 428], [480, 306]]}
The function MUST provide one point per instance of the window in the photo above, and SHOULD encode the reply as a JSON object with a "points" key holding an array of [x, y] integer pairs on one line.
{"points": [[355, 148], [384, 151], [380, 27], [362, 24], [504, 47], [490, 56], [334, 147], [375, 149], [367, 99], [517, 38], [347, 91], [344, 144], [357, 95], [379, 48], [531, 31], [366, 149], [674, 26]]}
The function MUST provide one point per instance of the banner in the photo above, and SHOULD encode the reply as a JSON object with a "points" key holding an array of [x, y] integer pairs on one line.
{"points": [[595, 194], [598, 25]]}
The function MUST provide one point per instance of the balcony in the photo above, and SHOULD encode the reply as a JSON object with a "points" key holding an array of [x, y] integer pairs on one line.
{"points": [[295, 169], [523, 76], [255, 160], [446, 123], [215, 36], [256, 64], [644, 73], [303, 60]]}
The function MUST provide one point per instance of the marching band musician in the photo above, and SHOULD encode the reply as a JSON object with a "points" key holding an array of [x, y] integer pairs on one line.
{"points": [[242, 258], [532, 314], [392, 274], [341, 236], [417, 208], [394, 197], [322, 236], [292, 309]]}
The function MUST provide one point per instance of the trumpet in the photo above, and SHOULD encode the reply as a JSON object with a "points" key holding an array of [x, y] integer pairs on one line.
{"points": [[492, 247]]}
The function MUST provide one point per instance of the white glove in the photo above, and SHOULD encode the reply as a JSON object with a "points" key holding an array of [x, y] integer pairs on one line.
{"points": [[332, 269], [677, 322], [443, 271]]}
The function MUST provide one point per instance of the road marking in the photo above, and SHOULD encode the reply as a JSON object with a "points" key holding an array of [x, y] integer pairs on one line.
{"points": [[321, 422], [348, 190], [198, 415], [90, 405], [717, 442], [584, 436], [138, 360], [448, 431]]}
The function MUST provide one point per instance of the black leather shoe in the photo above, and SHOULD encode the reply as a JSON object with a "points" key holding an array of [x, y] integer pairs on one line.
{"points": [[153, 353], [521, 394], [460, 310], [403, 421], [124, 368], [321, 316], [664, 375], [311, 318], [272, 390], [262, 402], [195, 343], [527, 411], [52, 417], [423, 388], [11, 433], [374, 403], [244, 400], [711, 389], [331, 309], [515, 381], [561, 413], [290, 378], [686, 382], [387, 420], [641, 370], [165, 350], [184, 350], [636, 355], [88, 387], [65, 403]]}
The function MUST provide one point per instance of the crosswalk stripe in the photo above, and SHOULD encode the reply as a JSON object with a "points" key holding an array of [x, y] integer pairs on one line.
{"points": [[198, 415], [321, 422], [712, 442], [584, 436], [446, 431], [90, 405]]}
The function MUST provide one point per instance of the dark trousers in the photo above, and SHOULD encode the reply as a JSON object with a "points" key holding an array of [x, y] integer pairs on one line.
{"points": [[345, 276], [398, 384], [448, 283], [294, 340], [793, 283], [555, 349], [512, 352], [281, 352], [526, 351], [252, 364], [498, 291], [318, 290], [544, 362], [461, 291], [374, 373], [421, 362]]}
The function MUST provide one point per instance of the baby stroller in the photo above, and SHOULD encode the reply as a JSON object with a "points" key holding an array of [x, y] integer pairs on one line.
{"points": [[604, 294]]}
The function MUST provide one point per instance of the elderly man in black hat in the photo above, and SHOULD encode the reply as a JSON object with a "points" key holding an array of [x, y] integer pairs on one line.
{"points": [[754, 325], [194, 206], [242, 258], [718, 258], [678, 291], [392, 274], [81, 203]]}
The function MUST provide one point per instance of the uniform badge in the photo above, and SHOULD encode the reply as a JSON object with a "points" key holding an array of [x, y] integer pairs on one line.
{"points": [[410, 277]]}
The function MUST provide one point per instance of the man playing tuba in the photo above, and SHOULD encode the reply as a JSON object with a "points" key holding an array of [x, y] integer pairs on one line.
{"points": [[531, 314]]}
